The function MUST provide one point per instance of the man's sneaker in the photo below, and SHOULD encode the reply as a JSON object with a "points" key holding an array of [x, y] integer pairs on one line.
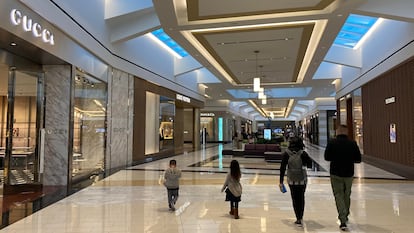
{"points": [[299, 223], [343, 227]]}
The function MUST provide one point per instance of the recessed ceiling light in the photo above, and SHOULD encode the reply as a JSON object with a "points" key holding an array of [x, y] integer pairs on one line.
{"points": [[13, 44]]}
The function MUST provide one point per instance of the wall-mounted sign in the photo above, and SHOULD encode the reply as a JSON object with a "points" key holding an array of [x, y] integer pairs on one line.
{"points": [[207, 114], [393, 133], [183, 98], [17, 18], [390, 100]]}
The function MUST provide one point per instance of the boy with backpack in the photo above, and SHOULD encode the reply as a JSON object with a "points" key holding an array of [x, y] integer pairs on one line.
{"points": [[295, 159]]}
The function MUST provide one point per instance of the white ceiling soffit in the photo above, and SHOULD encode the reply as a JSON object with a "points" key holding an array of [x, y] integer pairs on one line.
{"points": [[130, 19], [237, 41]]}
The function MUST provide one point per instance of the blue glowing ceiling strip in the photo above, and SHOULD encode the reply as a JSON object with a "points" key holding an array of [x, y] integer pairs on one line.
{"points": [[162, 36], [354, 28]]}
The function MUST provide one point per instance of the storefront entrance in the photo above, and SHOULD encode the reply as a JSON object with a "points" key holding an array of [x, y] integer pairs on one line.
{"points": [[21, 108]]}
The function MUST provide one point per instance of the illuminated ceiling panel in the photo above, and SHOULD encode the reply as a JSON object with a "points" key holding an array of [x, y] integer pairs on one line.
{"points": [[354, 28], [164, 38]]}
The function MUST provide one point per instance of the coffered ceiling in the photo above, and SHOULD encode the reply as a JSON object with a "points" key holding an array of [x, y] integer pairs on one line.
{"points": [[276, 40]]}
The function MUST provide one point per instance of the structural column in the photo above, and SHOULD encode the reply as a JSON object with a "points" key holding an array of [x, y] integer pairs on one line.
{"points": [[196, 128]]}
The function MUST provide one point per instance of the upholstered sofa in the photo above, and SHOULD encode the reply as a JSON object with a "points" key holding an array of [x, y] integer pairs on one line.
{"points": [[258, 150]]}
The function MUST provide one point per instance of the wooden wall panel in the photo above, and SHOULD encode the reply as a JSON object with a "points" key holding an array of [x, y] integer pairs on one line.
{"points": [[377, 116]]}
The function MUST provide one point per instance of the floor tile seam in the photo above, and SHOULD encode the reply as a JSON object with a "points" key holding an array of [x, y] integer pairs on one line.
{"points": [[218, 181], [267, 174]]}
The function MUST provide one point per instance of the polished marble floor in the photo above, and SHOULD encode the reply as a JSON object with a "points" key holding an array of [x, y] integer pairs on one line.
{"points": [[133, 200]]}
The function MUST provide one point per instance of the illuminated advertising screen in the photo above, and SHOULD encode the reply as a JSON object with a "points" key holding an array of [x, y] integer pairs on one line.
{"points": [[267, 134]]}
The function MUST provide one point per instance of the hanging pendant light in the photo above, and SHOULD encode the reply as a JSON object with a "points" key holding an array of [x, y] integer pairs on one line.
{"points": [[256, 84], [261, 94], [256, 80]]}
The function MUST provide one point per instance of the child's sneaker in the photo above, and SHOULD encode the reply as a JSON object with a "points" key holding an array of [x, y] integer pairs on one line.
{"points": [[172, 207]]}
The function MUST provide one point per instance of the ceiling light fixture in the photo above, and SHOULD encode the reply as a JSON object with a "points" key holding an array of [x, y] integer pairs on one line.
{"points": [[256, 80], [256, 84], [261, 94]]}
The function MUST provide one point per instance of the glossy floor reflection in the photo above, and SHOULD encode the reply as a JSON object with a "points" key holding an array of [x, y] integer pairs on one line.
{"points": [[133, 200]]}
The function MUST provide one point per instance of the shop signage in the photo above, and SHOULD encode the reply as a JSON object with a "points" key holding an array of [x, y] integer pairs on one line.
{"points": [[207, 114], [390, 100], [183, 98], [17, 18]]}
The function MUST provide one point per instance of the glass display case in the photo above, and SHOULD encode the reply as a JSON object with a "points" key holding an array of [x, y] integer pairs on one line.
{"points": [[89, 125]]}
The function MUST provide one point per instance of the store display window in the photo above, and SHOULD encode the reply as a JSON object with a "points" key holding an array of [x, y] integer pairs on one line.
{"points": [[166, 126], [89, 125], [21, 117], [357, 116], [207, 124]]}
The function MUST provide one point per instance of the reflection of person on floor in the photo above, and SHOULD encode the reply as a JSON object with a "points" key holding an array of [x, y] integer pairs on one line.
{"points": [[172, 183], [342, 152], [233, 188], [296, 159]]}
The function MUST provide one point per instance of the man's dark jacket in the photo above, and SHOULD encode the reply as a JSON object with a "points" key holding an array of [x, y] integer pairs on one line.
{"points": [[343, 153]]}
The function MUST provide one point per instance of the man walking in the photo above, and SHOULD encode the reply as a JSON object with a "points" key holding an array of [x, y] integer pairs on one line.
{"points": [[342, 152]]}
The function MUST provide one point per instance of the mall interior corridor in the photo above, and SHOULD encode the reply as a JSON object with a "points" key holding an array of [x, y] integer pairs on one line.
{"points": [[134, 200]]}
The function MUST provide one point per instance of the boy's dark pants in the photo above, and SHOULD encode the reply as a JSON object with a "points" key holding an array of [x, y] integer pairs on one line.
{"points": [[172, 197]]}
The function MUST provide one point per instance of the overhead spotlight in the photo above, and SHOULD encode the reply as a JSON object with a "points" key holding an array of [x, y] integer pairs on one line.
{"points": [[13, 44]]}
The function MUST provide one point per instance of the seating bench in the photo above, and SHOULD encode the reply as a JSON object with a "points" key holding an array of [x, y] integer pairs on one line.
{"points": [[258, 150]]}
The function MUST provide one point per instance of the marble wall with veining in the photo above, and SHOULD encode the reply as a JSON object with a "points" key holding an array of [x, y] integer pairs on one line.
{"points": [[120, 120], [323, 128], [130, 117], [57, 118]]}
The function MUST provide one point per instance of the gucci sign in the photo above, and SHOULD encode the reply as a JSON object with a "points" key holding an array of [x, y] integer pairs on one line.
{"points": [[17, 18]]}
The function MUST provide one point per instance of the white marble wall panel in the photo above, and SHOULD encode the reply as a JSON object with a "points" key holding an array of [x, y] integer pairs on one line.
{"points": [[152, 121], [120, 120], [323, 128], [57, 117], [130, 117]]}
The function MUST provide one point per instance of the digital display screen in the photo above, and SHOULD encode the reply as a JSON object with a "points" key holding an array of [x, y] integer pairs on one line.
{"points": [[267, 134]]}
